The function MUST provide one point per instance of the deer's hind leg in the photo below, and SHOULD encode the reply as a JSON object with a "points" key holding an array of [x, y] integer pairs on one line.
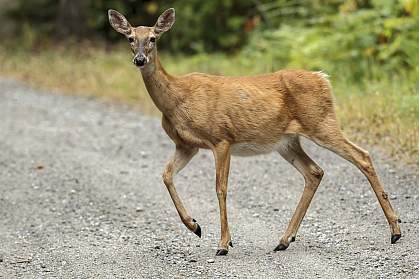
{"points": [[292, 151], [180, 159], [329, 135]]}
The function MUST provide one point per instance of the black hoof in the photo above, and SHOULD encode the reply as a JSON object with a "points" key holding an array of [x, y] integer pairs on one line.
{"points": [[198, 230], [395, 237], [293, 239], [221, 252], [231, 244], [280, 247]]}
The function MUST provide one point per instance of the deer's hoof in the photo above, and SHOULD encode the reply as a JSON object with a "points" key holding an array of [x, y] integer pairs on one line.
{"points": [[221, 252], [197, 231], [230, 244], [395, 237], [280, 247]]}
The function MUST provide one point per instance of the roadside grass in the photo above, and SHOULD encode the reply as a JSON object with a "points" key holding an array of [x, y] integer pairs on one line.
{"points": [[383, 111]]}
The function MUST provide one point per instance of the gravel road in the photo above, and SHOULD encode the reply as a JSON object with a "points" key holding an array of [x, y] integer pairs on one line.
{"points": [[81, 196]]}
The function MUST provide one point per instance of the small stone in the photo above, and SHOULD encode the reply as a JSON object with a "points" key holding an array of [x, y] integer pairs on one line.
{"points": [[43, 265], [24, 260], [210, 261], [124, 237], [192, 261], [139, 209]]}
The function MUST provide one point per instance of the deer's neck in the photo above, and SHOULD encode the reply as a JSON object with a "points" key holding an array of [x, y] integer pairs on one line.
{"points": [[159, 85]]}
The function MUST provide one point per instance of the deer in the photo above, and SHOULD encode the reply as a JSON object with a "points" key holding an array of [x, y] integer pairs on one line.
{"points": [[244, 116]]}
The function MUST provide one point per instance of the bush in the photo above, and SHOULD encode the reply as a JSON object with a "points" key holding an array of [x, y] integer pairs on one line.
{"points": [[359, 43]]}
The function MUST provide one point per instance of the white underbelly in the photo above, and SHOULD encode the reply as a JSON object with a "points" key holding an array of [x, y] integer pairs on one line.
{"points": [[251, 149]]}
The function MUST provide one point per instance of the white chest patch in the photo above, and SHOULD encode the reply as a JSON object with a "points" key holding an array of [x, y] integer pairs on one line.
{"points": [[251, 148]]}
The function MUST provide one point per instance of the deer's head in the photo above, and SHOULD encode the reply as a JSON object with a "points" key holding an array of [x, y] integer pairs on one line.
{"points": [[142, 39]]}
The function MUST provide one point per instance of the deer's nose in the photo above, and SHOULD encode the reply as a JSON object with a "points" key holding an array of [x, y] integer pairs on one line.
{"points": [[139, 60]]}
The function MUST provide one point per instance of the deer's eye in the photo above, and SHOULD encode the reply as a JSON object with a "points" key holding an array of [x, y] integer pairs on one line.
{"points": [[131, 39], [152, 39]]}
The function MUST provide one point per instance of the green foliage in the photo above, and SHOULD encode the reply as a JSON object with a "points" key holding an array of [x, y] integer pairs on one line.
{"points": [[351, 42], [210, 25], [201, 25], [323, 34]]}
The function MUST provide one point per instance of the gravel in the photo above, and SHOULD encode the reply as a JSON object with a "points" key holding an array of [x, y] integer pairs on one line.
{"points": [[81, 196]]}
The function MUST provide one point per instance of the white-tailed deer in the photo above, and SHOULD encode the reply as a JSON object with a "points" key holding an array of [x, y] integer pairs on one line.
{"points": [[244, 116]]}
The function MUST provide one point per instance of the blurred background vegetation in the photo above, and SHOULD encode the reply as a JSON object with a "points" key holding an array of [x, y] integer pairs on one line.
{"points": [[370, 48]]}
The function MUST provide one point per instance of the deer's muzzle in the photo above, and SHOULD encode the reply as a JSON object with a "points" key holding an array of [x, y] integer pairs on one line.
{"points": [[140, 60]]}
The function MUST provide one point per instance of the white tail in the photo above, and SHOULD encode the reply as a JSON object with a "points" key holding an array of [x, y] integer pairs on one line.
{"points": [[244, 116]]}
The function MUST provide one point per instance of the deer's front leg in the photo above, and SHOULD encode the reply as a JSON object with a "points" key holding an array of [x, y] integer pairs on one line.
{"points": [[222, 165], [180, 159]]}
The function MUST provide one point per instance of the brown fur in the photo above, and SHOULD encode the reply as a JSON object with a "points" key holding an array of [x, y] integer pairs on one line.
{"points": [[205, 110], [245, 116]]}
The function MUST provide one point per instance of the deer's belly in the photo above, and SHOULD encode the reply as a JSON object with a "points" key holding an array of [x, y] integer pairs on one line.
{"points": [[251, 149]]}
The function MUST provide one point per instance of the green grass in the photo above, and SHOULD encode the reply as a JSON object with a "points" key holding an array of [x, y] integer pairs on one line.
{"points": [[383, 111]]}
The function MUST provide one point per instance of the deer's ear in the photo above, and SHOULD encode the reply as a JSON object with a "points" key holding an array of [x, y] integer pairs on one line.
{"points": [[165, 21], [119, 22]]}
